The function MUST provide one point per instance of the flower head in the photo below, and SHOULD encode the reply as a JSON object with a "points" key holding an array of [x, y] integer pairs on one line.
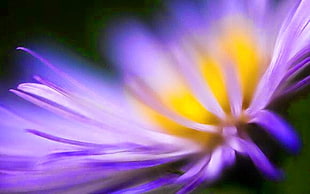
{"points": [[178, 116]]}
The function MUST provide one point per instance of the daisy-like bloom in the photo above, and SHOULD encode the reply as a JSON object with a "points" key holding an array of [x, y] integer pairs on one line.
{"points": [[179, 116]]}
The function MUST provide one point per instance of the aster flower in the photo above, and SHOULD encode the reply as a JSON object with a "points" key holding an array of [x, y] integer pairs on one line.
{"points": [[178, 117]]}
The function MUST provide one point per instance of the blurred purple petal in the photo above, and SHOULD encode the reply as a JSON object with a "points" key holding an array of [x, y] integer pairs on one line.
{"points": [[229, 156], [137, 52], [259, 159], [290, 33], [194, 169], [148, 186], [215, 166], [302, 59], [188, 14], [193, 184], [279, 129], [297, 86], [234, 91]]}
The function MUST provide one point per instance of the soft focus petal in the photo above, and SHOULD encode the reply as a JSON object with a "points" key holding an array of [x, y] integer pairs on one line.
{"points": [[194, 169], [297, 86], [148, 186], [298, 63], [215, 165], [137, 52], [259, 159], [291, 31], [279, 129]]}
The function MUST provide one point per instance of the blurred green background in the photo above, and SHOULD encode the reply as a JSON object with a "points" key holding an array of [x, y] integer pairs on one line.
{"points": [[78, 25]]}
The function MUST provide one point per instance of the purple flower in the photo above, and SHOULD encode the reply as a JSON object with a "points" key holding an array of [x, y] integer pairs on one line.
{"points": [[178, 116]]}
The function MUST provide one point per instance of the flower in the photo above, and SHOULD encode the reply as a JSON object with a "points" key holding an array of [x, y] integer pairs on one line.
{"points": [[180, 121]]}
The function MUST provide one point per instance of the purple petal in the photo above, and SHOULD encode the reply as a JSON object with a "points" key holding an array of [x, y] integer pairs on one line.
{"points": [[32, 117], [50, 94], [73, 74], [234, 90], [73, 107], [215, 165], [208, 172], [229, 156], [63, 140], [258, 10], [131, 164], [106, 147], [76, 103], [302, 64], [39, 181], [194, 170], [50, 65], [14, 140], [148, 186], [299, 62], [297, 86], [258, 158], [279, 129], [137, 180], [188, 15], [193, 177], [291, 31], [138, 52], [56, 108], [262, 162], [289, 35], [65, 112], [192, 184], [15, 163]]}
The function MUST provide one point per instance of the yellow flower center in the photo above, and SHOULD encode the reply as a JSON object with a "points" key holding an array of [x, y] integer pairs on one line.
{"points": [[233, 44]]}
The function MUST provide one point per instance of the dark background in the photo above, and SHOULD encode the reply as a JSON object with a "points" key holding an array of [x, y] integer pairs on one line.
{"points": [[78, 25]]}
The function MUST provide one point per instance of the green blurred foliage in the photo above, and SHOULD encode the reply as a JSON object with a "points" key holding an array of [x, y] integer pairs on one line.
{"points": [[79, 24]]}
